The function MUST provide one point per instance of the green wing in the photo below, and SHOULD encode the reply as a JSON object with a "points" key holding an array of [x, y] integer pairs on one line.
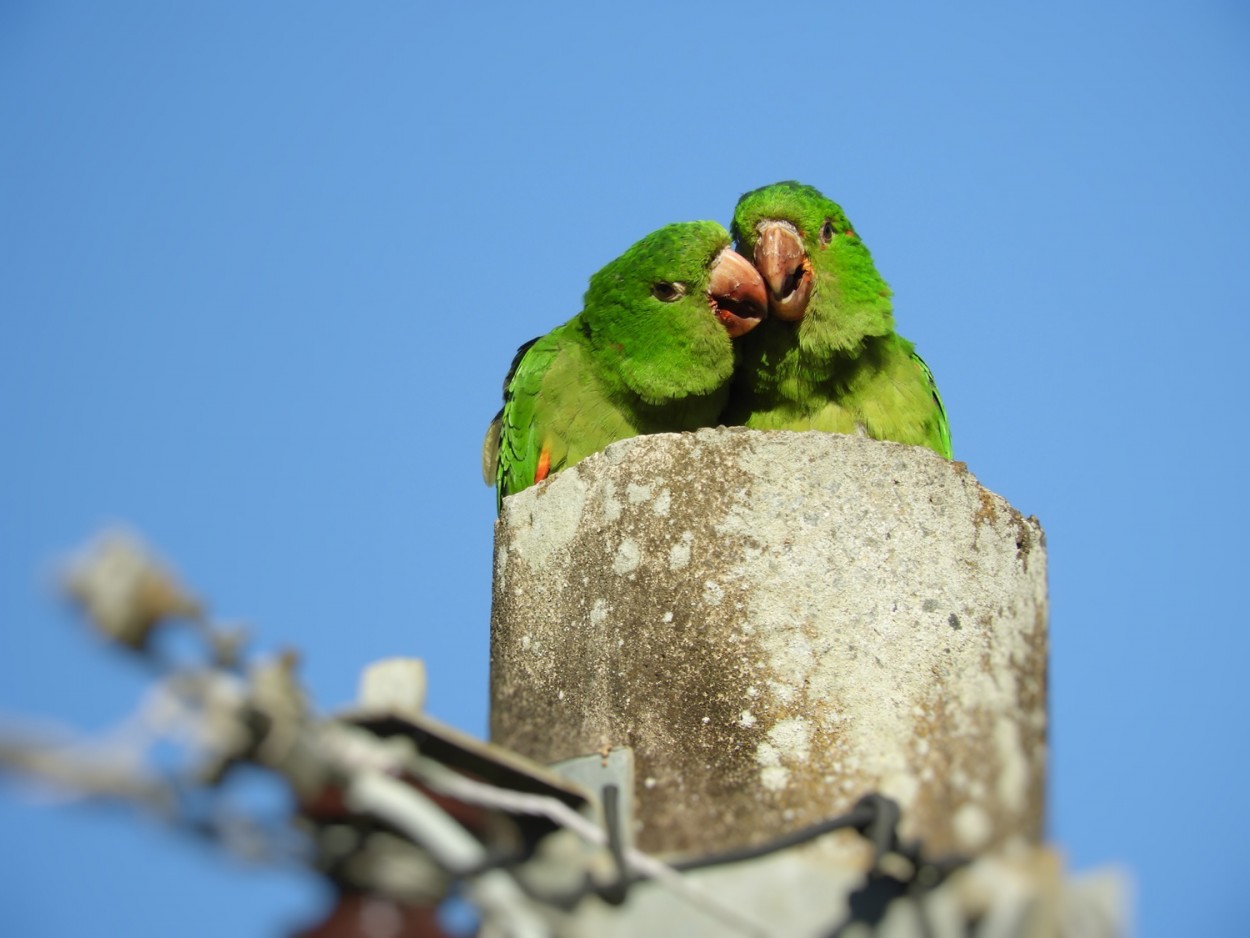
{"points": [[943, 423], [555, 413], [511, 452]]}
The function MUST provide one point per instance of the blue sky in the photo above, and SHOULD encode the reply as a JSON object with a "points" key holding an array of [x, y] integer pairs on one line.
{"points": [[262, 267]]}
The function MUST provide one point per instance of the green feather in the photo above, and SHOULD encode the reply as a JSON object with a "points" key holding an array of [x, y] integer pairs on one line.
{"points": [[841, 368], [628, 363]]}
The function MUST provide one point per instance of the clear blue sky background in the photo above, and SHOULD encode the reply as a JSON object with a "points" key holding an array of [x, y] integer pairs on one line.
{"points": [[262, 267]]}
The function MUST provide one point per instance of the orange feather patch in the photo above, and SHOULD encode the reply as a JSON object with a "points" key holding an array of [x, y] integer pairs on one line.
{"points": [[544, 465]]}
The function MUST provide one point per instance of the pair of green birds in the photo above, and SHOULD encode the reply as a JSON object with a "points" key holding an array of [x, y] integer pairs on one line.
{"points": [[682, 332]]}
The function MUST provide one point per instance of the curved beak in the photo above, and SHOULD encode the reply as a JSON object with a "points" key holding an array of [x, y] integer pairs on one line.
{"points": [[781, 258], [737, 293]]}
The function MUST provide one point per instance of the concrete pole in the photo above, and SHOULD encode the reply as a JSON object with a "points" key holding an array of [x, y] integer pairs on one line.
{"points": [[778, 624]]}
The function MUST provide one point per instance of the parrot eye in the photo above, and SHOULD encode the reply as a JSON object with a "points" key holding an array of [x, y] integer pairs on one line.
{"points": [[666, 292], [826, 232]]}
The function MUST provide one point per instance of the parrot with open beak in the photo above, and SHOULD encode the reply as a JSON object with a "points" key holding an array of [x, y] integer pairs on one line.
{"points": [[650, 352], [828, 357]]}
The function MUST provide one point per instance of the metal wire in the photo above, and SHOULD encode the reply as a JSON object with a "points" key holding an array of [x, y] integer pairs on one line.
{"points": [[859, 817]]}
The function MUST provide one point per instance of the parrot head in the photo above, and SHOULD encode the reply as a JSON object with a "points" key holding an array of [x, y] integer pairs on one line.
{"points": [[666, 310], [818, 272]]}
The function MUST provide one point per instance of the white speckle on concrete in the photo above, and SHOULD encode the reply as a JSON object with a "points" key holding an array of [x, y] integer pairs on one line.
{"points": [[679, 555], [598, 612], [707, 719], [972, 826], [713, 593], [627, 558], [560, 695], [662, 503], [784, 693], [637, 494], [792, 738], [789, 740], [526, 642], [791, 655], [615, 453], [650, 783], [667, 617], [775, 777], [746, 719], [541, 536], [611, 504]]}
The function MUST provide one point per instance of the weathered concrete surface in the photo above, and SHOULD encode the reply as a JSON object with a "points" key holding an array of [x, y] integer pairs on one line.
{"points": [[779, 623]]}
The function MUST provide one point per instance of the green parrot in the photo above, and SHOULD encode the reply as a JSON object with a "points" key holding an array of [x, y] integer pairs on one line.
{"points": [[650, 352], [828, 357]]}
